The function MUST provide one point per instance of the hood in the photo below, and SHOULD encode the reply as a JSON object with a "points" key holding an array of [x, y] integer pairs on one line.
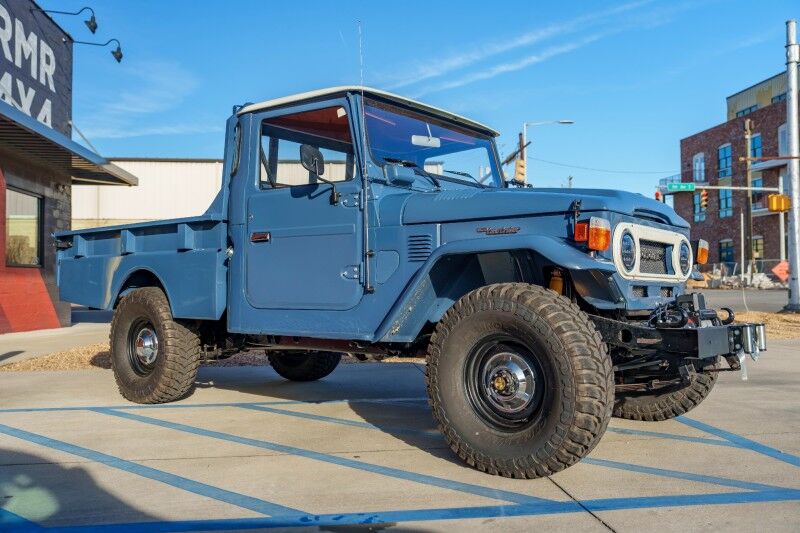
{"points": [[476, 204]]}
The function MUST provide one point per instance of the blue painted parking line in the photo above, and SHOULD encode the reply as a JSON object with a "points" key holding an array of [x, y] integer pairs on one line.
{"points": [[457, 513], [436, 435], [742, 442], [13, 522], [396, 473], [672, 436], [177, 405], [179, 482], [598, 462], [677, 474]]}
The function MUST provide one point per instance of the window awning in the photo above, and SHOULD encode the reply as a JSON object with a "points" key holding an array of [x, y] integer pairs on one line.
{"points": [[31, 139], [766, 165]]}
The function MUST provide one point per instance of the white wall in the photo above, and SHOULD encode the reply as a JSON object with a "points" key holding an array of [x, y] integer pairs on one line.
{"points": [[167, 189]]}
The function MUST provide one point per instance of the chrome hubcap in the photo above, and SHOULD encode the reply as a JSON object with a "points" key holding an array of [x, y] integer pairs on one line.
{"points": [[509, 382], [146, 346]]}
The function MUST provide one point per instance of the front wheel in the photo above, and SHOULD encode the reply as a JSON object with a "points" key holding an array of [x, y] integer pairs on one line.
{"points": [[667, 403], [519, 381]]}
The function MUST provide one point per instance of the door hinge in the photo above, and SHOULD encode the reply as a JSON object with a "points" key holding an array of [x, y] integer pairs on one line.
{"points": [[352, 272], [351, 200]]}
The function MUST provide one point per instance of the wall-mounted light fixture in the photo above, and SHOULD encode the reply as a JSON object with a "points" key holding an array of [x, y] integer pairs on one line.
{"points": [[91, 22], [117, 52]]}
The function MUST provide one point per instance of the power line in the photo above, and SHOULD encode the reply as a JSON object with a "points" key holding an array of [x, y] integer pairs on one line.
{"points": [[605, 169]]}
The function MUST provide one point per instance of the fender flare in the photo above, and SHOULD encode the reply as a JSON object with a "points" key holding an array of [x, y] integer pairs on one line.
{"points": [[407, 317]]}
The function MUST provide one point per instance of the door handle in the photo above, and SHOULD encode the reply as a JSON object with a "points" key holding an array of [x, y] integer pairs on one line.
{"points": [[260, 236]]}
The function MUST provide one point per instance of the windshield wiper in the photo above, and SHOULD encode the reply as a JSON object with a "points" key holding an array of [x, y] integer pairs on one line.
{"points": [[417, 170], [466, 175]]}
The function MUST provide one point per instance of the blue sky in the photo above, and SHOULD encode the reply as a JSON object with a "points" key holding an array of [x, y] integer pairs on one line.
{"points": [[635, 76]]}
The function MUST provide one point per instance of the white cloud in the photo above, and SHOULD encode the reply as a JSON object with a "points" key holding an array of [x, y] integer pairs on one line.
{"points": [[128, 133], [442, 66], [153, 88]]}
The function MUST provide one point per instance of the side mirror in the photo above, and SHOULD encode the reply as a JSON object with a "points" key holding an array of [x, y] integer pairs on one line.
{"points": [[311, 159]]}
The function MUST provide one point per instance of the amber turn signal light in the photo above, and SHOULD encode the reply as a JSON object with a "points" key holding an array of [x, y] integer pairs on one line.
{"points": [[595, 232], [700, 251]]}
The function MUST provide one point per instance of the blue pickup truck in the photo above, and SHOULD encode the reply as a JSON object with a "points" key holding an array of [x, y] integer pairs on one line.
{"points": [[354, 221]]}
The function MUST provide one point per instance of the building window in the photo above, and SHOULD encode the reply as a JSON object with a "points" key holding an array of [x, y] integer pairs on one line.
{"points": [[726, 251], [746, 111], [724, 160], [783, 140], [699, 167], [699, 213], [725, 202], [758, 196], [780, 98], [758, 247], [23, 229], [755, 145]]}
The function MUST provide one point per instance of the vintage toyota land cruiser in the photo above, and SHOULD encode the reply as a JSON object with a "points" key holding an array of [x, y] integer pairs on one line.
{"points": [[351, 220]]}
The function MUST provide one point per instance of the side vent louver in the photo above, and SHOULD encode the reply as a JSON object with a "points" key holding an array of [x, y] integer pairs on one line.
{"points": [[419, 247]]}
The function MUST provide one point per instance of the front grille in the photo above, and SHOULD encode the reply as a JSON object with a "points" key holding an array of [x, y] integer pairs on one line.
{"points": [[652, 257], [640, 291], [419, 247], [666, 292]]}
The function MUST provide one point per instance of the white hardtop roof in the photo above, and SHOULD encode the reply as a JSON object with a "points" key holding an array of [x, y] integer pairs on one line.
{"points": [[285, 100]]}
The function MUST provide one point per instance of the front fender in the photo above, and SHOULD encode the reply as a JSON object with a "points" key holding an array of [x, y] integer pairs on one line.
{"points": [[433, 289]]}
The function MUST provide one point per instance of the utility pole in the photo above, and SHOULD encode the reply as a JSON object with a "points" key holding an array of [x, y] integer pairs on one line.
{"points": [[748, 132], [792, 62]]}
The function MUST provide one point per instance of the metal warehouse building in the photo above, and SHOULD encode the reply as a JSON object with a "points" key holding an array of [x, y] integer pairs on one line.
{"points": [[39, 164]]}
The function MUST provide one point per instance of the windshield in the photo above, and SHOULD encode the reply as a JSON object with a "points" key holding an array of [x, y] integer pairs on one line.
{"points": [[441, 153]]}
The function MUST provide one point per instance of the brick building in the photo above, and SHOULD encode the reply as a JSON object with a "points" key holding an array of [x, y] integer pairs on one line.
{"points": [[711, 157], [39, 163]]}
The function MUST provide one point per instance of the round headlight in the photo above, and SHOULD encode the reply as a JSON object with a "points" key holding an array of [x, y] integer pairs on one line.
{"points": [[627, 251], [685, 253]]}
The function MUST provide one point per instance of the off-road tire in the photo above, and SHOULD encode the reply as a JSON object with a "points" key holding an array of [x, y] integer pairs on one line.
{"points": [[304, 366], [577, 379], [178, 357], [663, 405]]}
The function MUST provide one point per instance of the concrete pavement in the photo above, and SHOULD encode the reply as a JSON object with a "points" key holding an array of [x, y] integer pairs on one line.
{"points": [[359, 449]]}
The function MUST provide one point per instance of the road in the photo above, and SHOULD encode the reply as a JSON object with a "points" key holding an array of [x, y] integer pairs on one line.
{"points": [[769, 301]]}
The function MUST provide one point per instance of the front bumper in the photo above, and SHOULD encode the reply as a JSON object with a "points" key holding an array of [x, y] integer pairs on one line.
{"points": [[690, 331]]}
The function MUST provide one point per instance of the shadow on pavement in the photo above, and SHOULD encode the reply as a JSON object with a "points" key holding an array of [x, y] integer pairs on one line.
{"points": [[84, 315], [34, 488], [409, 421]]}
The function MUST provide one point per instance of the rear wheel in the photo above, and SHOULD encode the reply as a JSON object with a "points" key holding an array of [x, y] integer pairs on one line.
{"points": [[666, 403], [304, 366], [154, 357], [519, 381]]}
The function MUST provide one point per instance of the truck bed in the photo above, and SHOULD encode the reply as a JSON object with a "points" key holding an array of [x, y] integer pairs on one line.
{"points": [[187, 256]]}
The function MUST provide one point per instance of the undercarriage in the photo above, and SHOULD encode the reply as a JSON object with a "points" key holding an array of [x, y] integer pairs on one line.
{"points": [[676, 341]]}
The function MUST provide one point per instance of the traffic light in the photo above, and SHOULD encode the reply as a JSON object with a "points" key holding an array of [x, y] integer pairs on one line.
{"points": [[779, 203], [703, 199], [658, 196], [519, 171]]}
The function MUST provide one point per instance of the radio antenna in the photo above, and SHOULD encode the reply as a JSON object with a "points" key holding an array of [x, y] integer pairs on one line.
{"points": [[368, 252]]}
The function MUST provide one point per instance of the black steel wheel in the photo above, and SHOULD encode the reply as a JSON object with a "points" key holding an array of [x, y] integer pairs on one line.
{"points": [[519, 380], [154, 356], [505, 382]]}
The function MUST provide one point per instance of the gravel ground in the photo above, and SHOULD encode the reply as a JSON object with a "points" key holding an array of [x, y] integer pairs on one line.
{"points": [[96, 356]]}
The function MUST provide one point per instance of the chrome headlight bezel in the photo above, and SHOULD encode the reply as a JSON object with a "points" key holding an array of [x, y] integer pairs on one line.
{"points": [[627, 251], [685, 258]]}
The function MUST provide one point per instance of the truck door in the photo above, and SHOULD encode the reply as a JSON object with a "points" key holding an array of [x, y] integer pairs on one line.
{"points": [[303, 248]]}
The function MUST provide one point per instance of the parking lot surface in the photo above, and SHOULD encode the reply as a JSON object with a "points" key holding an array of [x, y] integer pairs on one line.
{"points": [[359, 449]]}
